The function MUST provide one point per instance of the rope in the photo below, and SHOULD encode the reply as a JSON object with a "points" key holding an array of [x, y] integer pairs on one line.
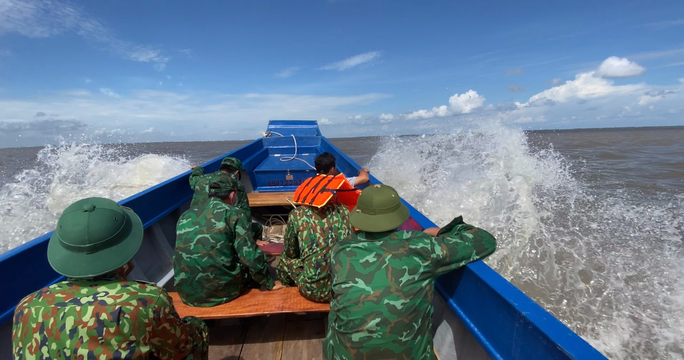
{"points": [[293, 157]]}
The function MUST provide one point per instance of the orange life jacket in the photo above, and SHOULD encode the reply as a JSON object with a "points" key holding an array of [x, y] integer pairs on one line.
{"points": [[318, 190]]}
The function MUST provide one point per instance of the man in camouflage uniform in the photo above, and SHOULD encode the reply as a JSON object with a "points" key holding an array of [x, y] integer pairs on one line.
{"points": [[383, 279], [309, 236], [96, 313], [215, 258], [199, 182]]}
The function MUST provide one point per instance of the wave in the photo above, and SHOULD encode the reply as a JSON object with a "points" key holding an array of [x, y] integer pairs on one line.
{"points": [[65, 173], [605, 261]]}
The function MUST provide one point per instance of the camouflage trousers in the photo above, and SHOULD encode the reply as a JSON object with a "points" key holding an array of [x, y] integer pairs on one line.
{"points": [[200, 349], [290, 272]]}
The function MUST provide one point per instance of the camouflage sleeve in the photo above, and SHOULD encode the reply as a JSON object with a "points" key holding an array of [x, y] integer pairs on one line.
{"points": [[196, 173], [248, 251], [460, 244], [290, 241], [174, 338]]}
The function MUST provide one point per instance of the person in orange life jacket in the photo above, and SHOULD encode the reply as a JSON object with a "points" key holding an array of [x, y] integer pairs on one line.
{"points": [[325, 164]]}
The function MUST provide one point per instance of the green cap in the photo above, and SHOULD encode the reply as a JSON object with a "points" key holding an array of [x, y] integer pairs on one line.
{"points": [[231, 161], [379, 209], [226, 182], [94, 236]]}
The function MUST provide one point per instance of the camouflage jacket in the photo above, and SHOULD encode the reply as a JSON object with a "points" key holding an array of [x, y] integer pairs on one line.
{"points": [[104, 318], [383, 285], [199, 183], [309, 236], [215, 256]]}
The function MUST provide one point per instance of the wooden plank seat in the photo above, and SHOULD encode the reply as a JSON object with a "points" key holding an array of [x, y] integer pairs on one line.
{"points": [[254, 302], [257, 199]]}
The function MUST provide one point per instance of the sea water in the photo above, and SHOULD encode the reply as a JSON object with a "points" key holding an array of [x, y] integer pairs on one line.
{"points": [[590, 223]]}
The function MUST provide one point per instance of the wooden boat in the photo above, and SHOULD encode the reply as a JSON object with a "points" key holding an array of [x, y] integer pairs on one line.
{"points": [[478, 314]]}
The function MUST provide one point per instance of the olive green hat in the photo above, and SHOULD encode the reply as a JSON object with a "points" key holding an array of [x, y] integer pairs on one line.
{"points": [[226, 183], [231, 161], [379, 209], [94, 236]]}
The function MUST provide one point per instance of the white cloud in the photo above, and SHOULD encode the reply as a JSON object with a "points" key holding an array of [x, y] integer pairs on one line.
{"points": [[585, 86], [615, 67], [529, 119], [287, 72], [147, 131], [467, 102], [325, 121], [88, 80], [428, 114], [555, 81], [353, 61], [385, 118], [41, 19], [458, 104], [653, 96], [199, 116], [357, 117], [110, 93]]}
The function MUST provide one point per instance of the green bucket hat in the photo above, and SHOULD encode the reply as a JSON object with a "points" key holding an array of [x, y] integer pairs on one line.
{"points": [[379, 209], [226, 182], [94, 236], [231, 161]]}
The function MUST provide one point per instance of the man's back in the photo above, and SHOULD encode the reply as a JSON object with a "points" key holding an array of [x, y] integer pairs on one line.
{"points": [[199, 182], [309, 237], [104, 318], [383, 285], [211, 244]]}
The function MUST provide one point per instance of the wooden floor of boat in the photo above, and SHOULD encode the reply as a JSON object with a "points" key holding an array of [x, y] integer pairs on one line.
{"points": [[280, 337]]}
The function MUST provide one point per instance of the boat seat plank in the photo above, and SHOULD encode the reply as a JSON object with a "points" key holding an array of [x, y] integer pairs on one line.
{"points": [[253, 302], [262, 199]]}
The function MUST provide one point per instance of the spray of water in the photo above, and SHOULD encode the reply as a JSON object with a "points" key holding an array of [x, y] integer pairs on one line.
{"points": [[71, 171], [605, 262]]}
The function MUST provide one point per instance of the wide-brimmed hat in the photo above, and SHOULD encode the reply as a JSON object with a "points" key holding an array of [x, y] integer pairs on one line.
{"points": [[231, 161], [379, 209], [94, 236]]}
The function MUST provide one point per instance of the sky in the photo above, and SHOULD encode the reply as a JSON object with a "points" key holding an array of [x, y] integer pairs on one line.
{"points": [[139, 71]]}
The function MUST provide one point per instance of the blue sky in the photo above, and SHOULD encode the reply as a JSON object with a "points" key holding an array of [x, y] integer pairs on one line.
{"points": [[218, 70]]}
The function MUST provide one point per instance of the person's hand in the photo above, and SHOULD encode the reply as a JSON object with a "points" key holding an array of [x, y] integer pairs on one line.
{"points": [[261, 243], [364, 170], [194, 166], [432, 231], [277, 285]]}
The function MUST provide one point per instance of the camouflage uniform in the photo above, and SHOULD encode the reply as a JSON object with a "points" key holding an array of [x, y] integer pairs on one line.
{"points": [[309, 237], [383, 284], [215, 257], [104, 318], [199, 183]]}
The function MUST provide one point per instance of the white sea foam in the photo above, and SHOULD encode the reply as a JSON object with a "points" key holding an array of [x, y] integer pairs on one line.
{"points": [[34, 200], [606, 263]]}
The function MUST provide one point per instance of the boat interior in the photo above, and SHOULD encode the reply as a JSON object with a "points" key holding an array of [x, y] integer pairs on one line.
{"points": [[477, 313]]}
